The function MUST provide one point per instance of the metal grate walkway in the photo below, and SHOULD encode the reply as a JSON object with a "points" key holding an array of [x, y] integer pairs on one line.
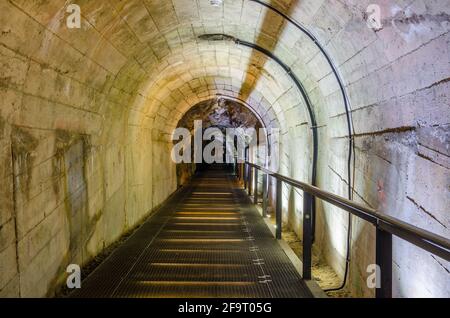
{"points": [[207, 241]]}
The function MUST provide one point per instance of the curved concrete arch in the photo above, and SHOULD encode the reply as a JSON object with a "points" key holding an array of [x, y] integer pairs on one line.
{"points": [[338, 79], [164, 90]]}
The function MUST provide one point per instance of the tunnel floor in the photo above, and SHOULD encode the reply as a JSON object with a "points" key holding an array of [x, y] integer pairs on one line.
{"points": [[208, 241]]}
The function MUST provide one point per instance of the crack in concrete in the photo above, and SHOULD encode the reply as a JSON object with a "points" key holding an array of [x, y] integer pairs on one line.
{"points": [[16, 227], [421, 155], [396, 130], [445, 268], [381, 102], [415, 18], [353, 189], [434, 150], [427, 212]]}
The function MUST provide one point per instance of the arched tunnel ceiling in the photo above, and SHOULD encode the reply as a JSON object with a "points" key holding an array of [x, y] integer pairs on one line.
{"points": [[125, 45], [178, 88], [143, 59], [131, 44]]}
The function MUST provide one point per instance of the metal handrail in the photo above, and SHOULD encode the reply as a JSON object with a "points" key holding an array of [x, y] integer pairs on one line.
{"points": [[386, 225]]}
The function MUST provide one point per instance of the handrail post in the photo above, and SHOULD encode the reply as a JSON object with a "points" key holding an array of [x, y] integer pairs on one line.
{"points": [[386, 225], [384, 261], [278, 210], [255, 189], [265, 193], [250, 179], [244, 171], [307, 235]]}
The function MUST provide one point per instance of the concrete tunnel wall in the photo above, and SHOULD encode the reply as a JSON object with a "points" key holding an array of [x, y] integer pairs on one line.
{"points": [[86, 117]]}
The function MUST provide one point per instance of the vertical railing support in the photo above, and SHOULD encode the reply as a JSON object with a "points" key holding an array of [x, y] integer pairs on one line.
{"points": [[278, 210], [250, 180], [244, 171], [255, 189], [384, 261], [265, 195], [307, 235]]}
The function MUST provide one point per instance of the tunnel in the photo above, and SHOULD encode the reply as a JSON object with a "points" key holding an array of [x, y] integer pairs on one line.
{"points": [[356, 91]]}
